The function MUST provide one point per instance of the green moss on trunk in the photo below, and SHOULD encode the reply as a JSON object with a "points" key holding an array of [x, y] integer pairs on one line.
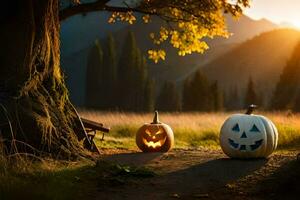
{"points": [[38, 106]]}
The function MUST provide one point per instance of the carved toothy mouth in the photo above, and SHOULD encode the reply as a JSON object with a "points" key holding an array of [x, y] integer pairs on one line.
{"points": [[242, 147], [154, 144]]}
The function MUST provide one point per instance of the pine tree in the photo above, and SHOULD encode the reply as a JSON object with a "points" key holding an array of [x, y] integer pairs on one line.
{"points": [[197, 94], [127, 73], [168, 99], [139, 81], [261, 100], [143, 88], [250, 96], [233, 100], [296, 106], [187, 99], [217, 97], [149, 96], [94, 76], [201, 92], [287, 87], [135, 89], [110, 60]]}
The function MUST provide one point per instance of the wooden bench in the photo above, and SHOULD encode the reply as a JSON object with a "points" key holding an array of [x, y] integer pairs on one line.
{"points": [[91, 128], [86, 129]]}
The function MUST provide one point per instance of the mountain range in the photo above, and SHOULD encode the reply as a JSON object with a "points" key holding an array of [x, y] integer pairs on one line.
{"points": [[261, 58], [79, 34]]}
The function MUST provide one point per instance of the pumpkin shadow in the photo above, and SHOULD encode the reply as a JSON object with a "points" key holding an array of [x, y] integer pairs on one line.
{"points": [[202, 178], [210, 176], [205, 178], [136, 159], [282, 184]]}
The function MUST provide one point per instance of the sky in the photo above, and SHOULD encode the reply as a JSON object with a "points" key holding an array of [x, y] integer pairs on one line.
{"points": [[278, 11]]}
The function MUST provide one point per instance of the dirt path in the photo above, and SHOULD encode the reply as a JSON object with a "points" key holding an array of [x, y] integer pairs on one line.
{"points": [[197, 174]]}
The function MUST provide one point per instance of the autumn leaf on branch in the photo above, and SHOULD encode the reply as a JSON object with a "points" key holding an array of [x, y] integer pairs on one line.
{"points": [[188, 22]]}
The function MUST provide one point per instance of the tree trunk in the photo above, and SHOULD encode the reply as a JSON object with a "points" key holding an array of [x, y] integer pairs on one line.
{"points": [[32, 87]]}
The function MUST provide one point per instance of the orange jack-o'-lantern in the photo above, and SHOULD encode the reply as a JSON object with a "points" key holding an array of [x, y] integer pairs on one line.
{"points": [[155, 136]]}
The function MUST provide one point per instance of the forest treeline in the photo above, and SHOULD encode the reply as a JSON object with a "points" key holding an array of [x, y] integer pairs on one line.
{"points": [[287, 91], [118, 79], [118, 82]]}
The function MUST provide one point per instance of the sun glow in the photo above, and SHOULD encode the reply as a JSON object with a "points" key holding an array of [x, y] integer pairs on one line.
{"points": [[282, 12], [296, 23]]}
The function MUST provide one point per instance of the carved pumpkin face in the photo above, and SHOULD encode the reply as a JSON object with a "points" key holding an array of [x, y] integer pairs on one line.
{"points": [[155, 137], [248, 136]]}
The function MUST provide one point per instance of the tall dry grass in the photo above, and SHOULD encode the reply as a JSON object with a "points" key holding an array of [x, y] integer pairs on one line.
{"points": [[189, 120], [190, 129]]}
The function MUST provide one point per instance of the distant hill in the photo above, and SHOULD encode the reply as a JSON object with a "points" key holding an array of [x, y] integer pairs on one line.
{"points": [[79, 33], [175, 67], [246, 28], [287, 91], [262, 58]]}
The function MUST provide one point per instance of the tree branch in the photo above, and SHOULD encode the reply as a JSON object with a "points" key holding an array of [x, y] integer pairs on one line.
{"points": [[96, 6], [82, 8]]}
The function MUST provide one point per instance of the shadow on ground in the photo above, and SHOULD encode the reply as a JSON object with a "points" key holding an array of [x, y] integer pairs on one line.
{"points": [[189, 175], [283, 184], [137, 159], [191, 182]]}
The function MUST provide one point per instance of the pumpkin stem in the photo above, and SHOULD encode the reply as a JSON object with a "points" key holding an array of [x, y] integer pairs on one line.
{"points": [[155, 119], [250, 109]]}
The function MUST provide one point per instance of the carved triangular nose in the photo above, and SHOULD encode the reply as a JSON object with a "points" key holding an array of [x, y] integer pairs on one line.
{"points": [[244, 135]]}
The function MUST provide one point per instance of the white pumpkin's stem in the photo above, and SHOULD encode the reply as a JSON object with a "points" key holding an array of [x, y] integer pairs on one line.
{"points": [[250, 109], [156, 119]]}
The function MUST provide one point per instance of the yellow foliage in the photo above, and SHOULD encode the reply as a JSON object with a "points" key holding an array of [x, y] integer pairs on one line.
{"points": [[152, 35], [146, 19], [124, 17], [189, 22], [156, 55]]}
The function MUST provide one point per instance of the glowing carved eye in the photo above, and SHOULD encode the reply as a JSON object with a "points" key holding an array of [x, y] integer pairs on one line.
{"points": [[254, 129], [236, 128], [158, 133], [148, 132]]}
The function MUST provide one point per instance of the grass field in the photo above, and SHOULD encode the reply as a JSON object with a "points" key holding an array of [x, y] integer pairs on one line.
{"points": [[53, 179], [191, 130]]}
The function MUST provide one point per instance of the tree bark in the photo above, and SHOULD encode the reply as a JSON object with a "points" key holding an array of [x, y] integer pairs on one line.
{"points": [[32, 87]]}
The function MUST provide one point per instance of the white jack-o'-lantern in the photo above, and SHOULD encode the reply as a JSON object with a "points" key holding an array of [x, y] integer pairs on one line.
{"points": [[155, 136], [248, 136]]}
